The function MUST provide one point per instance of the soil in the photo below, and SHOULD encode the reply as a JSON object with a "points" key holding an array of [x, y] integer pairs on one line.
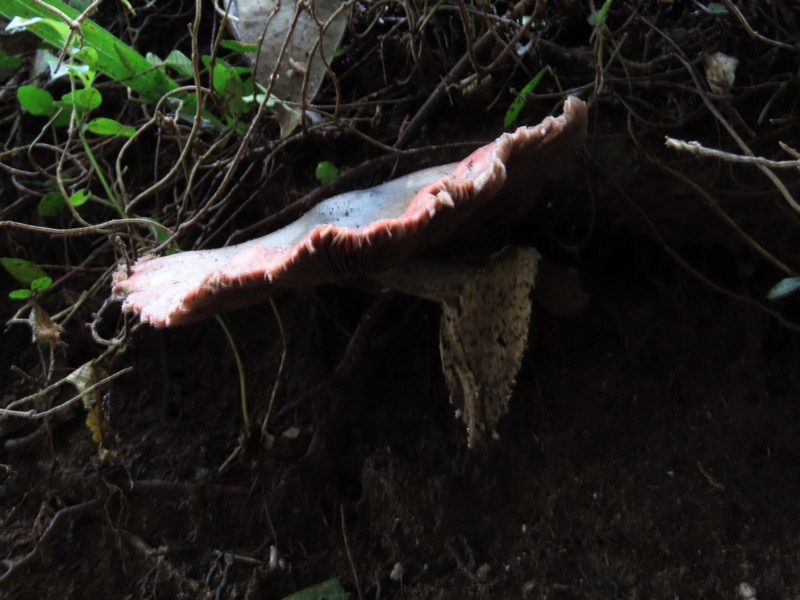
{"points": [[651, 446]]}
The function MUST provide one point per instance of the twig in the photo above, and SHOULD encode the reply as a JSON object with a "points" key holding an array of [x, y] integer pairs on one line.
{"points": [[698, 275], [99, 228], [159, 555], [244, 143], [452, 77], [55, 526], [349, 554], [354, 351], [697, 149], [710, 478], [732, 8], [745, 148], [712, 203], [265, 422], [32, 414]]}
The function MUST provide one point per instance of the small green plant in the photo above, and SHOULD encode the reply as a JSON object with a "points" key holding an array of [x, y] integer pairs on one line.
{"points": [[512, 114], [598, 19], [74, 107], [57, 24], [326, 172], [28, 274], [89, 49]]}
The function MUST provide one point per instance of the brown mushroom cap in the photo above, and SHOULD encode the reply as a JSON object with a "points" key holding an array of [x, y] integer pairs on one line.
{"points": [[361, 232]]}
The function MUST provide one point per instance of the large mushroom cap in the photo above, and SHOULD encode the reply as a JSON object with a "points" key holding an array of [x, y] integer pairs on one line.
{"points": [[358, 233]]}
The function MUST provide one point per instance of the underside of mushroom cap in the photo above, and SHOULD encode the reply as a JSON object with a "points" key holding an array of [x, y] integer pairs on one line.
{"points": [[358, 233]]}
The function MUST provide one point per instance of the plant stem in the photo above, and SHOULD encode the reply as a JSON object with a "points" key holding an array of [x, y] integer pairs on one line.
{"points": [[240, 368]]}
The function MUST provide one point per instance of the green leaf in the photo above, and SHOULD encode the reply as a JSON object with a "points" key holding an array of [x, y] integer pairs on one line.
{"points": [[51, 204], [717, 9], [20, 294], [40, 284], [81, 5], [238, 46], [161, 234], [326, 172], [153, 59], [114, 58], [598, 19], [512, 114], [82, 100], [39, 23], [327, 590], [8, 61], [62, 119], [180, 63], [206, 60], [228, 84], [22, 270], [104, 126], [80, 197], [785, 287], [87, 55], [59, 69], [36, 101]]}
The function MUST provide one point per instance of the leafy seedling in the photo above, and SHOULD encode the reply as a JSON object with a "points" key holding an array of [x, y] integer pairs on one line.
{"points": [[110, 56], [105, 126], [326, 172], [36, 101], [598, 19], [228, 83], [512, 114], [51, 205], [27, 273], [98, 49]]}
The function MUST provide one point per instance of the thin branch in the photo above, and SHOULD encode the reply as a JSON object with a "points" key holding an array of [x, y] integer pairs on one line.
{"points": [[697, 149], [53, 529], [734, 10], [32, 414]]}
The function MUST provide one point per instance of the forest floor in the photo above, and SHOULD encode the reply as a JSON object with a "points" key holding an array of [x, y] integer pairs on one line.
{"points": [[651, 448]]}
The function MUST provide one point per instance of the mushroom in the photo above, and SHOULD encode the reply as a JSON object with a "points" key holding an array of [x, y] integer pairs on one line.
{"points": [[359, 233], [373, 233]]}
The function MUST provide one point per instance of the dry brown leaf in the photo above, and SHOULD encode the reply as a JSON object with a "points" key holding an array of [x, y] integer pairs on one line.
{"points": [[314, 38]]}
